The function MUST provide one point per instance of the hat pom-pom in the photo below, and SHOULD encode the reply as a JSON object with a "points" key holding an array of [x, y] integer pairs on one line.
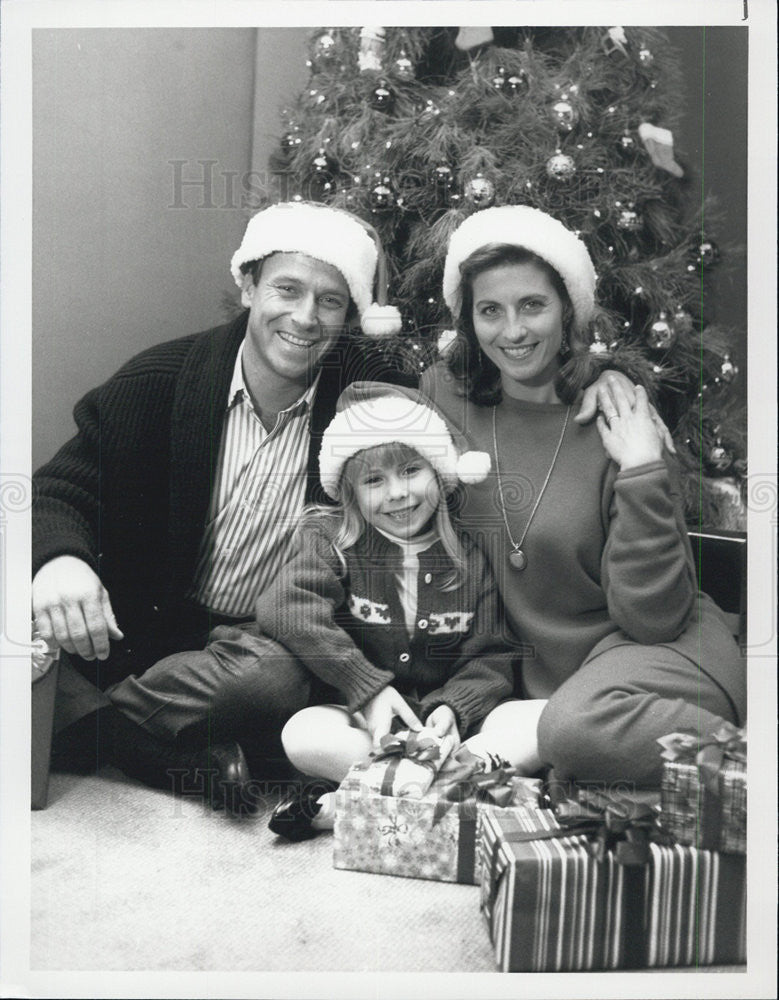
{"points": [[445, 340], [473, 466], [381, 321]]}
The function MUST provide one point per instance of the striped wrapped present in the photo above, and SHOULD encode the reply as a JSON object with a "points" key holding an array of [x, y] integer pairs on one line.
{"points": [[555, 904], [703, 799]]}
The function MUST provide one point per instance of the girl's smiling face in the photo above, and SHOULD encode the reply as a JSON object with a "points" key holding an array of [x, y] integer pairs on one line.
{"points": [[518, 322], [399, 494]]}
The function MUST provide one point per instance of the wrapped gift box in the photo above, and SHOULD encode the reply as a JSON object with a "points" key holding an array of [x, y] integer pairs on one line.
{"points": [[552, 904], [431, 837], [704, 790]]}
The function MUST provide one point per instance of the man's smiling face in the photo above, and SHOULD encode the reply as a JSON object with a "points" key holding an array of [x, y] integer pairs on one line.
{"points": [[297, 311]]}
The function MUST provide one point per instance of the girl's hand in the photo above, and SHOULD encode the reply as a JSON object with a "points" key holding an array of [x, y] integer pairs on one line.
{"points": [[601, 395], [382, 709], [443, 722], [631, 436]]}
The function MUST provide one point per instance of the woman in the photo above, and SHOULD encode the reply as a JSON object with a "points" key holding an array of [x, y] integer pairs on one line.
{"points": [[582, 523]]}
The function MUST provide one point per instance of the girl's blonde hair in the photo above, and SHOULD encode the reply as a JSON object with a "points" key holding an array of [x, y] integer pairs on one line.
{"points": [[352, 523]]}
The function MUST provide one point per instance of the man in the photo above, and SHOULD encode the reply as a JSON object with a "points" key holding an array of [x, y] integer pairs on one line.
{"points": [[173, 506]]}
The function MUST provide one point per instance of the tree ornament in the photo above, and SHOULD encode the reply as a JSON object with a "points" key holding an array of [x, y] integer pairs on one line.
{"points": [[499, 81], [383, 97], [403, 68], [728, 370], [560, 167], [372, 41], [628, 219], [645, 57], [659, 143], [381, 197], [469, 38], [564, 115], [661, 333], [324, 51], [324, 169], [682, 321], [516, 83], [616, 41], [479, 191], [719, 458], [444, 177], [708, 253], [627, 143], [598, 345]]}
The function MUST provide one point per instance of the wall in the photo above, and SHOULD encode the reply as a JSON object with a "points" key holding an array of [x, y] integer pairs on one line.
{"points": [[124, 256]]}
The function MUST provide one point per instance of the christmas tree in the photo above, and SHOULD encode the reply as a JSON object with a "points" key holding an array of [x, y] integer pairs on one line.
{"points": [[414, 129]]}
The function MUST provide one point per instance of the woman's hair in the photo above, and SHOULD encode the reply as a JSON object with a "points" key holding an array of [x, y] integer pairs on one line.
{"points": [[478, 374], [352, 524]]}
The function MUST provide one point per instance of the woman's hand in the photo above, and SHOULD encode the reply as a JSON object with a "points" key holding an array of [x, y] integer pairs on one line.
{"points": [[631, 436], [601, 395], [443, 722], [382, 709]]}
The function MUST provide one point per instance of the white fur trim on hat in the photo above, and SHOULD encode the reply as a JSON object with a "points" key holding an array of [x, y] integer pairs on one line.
{"points": [[327, 234], [522, 226], [375, 413], [381, 321]]}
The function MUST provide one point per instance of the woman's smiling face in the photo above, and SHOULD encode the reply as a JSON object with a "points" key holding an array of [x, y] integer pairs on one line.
{"points": [[518, 321]]}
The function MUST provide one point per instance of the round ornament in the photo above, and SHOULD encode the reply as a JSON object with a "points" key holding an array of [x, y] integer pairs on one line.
{"points": [[627, 143], [322, 163], [564, 115], [719, 458], [403, 68], [708, 253], [324, 50], [516, 83], [682, 321], [444, 178], [479, 191], [629, 220], [728, 370], [383, 97], [381, 197], [661, 334], [560, 167], [499, 80], [645, 57]]}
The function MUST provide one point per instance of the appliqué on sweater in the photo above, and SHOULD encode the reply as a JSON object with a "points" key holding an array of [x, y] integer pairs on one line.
{"points": [[455, 621], [369, 611]]}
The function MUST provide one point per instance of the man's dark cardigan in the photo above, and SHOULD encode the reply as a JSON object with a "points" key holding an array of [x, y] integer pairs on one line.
{"points": [[129, 494]]}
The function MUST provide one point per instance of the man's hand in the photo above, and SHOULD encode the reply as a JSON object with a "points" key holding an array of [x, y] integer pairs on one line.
{"points": [[382, 709], [601, 396], [72, 608]]}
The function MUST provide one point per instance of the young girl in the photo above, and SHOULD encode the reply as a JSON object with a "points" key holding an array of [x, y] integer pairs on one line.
{"points": [[382, 601]]}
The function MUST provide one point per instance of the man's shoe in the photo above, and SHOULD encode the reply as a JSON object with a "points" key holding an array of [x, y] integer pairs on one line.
{"points": [[293, 816], [220, 773]]}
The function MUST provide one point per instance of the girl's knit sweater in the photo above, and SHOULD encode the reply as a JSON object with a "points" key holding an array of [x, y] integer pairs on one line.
{"points": [[344, 620]]}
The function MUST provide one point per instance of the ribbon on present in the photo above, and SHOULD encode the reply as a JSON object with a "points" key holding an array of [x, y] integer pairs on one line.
{"points": [[419, 750], [709, 753]]}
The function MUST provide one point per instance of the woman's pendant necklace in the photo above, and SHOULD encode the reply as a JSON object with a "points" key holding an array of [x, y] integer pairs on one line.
{"points": [[517, 558]]}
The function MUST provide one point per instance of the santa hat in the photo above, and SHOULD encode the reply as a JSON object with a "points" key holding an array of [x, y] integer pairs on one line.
{"points": [[333, 236], [522, 226], [375, 413]]}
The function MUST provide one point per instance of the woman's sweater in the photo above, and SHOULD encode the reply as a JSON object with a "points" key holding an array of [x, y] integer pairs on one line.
{"points": [[346, 623], [608, 556]]}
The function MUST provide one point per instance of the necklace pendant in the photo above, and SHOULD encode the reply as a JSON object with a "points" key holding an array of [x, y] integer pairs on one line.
{"points": [[517, 559]]}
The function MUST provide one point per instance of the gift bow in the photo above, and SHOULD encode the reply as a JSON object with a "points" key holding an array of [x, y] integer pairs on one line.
{"points": [[414, 746], [620, 825], [470, 780], [709, 752]]}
